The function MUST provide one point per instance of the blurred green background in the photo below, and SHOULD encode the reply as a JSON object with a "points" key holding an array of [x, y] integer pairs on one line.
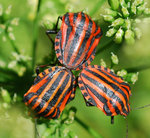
{"points": [[13, 124]]}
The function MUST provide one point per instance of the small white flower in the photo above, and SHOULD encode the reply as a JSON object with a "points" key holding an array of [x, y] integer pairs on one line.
{"points": [[8, 10], [103, 63], [12, 64], [10, 29], [134, 77], [2, 26], [2, 63], [15, 21], [5, 105], [114, 58], [15, 97], [4, 39], [11, 36]]}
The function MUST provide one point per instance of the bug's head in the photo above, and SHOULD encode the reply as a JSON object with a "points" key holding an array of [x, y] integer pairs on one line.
{"points": [[125, 111]]}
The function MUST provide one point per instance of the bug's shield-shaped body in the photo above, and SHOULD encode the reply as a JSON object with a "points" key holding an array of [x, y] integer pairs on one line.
{"points": [[76, 42], [51, 91], [102, 88]]}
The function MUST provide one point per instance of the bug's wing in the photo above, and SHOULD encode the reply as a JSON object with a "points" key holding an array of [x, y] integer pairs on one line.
{"points": [[109, 92], [48, 97]]}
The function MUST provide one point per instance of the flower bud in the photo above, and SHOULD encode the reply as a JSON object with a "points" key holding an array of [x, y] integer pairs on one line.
{"points": [[111, 12], [10, 29], [123, 3], [114, 58], [119, 36], [11, 36], [5, 95], [140, 9], [15, 97], [108, 18], [129, 36], [2, 64], [132, 77], [4, 38], [133, 9], [21, 71], [12, 64], [111, 32], [15, 21], [125, 12], [138, 33], [103, 63], [6, 105], [118, 22], [138, 2], [2, 27], [128, 4], [122, 73], [8, 10], [127, 24], [114, 4], [147, 11]]}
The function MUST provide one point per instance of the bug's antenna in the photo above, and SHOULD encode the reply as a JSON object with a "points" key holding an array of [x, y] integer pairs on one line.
{"points": [[141, 107], [36, 130], [126, 128]]}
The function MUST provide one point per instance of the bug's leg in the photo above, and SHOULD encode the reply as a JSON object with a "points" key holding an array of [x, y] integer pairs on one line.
{"points": [[112, 119], [54, 31], [126, 127], [88, 103], [36, 130], [37, 70], [74, 85]]}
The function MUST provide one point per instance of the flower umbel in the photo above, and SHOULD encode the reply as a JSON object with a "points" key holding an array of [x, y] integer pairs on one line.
{"points": [[122, 16]]}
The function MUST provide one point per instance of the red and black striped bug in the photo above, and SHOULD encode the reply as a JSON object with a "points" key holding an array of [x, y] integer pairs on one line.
{"points": [[102, 88], [51, 91], [76, 41]]}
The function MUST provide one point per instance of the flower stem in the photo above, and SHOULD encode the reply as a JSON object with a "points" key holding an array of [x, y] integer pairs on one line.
{"points": [[89, 129], [35, 34], [138, 68], [13, 44]]}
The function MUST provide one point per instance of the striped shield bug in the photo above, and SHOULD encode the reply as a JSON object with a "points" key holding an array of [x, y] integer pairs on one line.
{"points": [[76, 41], [102, 88], [51, 91]]}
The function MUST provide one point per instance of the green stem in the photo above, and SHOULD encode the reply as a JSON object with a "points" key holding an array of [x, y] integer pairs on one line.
{"points": [[137, 69], [89, 129], [97, 7], [35, 34], [13, 44]]}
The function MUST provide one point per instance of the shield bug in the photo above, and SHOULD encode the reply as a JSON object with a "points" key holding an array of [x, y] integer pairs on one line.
{"points": [[51, 91], [102, 88], [76, 41]]}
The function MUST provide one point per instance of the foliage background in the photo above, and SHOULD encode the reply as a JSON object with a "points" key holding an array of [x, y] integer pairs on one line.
{"points": [[13, 123]]}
